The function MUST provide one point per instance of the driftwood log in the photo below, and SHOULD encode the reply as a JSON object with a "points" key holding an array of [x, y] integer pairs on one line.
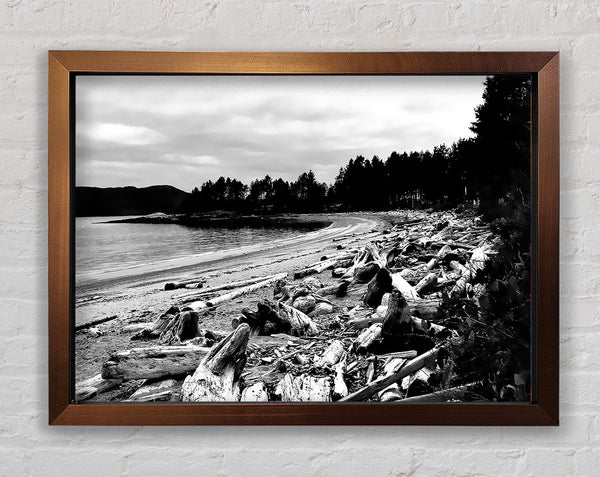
{"points": [[151, 391], [158, 326], [377, 385], [93, 386], [367, 338], [186, 297], [392, 392], [304, 388], [217, 377], [278, 317], [332, 354], [153, 362]]}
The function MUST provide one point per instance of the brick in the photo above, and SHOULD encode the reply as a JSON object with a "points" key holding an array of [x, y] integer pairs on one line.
{"points": [[543, 461]]}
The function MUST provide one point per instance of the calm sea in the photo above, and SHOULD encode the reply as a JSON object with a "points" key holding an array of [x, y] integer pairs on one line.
{"points": [[108, 247]]}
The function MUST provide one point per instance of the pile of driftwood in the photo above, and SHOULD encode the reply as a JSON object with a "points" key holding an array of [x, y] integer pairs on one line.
{"points": [[362, 324]]}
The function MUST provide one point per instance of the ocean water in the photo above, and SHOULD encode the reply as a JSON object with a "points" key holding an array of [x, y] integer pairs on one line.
{"points": [[103, 247]]}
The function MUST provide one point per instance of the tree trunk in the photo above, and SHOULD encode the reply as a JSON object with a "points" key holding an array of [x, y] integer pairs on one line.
{"points": [[217, 376], [153, 362]]}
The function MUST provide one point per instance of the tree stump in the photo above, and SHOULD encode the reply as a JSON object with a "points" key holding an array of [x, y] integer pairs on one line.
{"points": [[217, 376], [377, 287], [397, 319]]}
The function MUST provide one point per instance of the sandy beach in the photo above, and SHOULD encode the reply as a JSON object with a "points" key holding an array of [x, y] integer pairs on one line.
{"points": [[135, 294]]}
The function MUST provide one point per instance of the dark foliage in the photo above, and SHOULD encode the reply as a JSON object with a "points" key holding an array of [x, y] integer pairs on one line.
{"points": [[95, 201]]}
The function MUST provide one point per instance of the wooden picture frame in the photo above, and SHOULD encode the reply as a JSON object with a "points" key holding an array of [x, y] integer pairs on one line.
{"points": [[63, 65]]}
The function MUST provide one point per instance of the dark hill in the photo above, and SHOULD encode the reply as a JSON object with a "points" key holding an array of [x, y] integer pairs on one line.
{"points": [[96, 201]]}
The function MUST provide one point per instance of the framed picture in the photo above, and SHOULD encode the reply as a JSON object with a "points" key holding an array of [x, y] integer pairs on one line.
{"points": [[303, 238]]}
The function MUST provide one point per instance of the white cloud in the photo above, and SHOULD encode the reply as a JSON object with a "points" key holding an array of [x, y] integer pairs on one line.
{"points": [[121, 134], [192, 160]]}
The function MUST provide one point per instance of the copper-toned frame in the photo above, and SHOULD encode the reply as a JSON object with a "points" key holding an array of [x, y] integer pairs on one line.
{"points": [[543, 65]]}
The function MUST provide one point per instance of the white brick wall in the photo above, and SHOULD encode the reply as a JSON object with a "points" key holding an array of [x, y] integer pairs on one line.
{"points": [[31, 27]]}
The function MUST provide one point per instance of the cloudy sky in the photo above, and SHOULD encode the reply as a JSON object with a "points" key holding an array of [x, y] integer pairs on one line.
{"points": [[184, 130]]}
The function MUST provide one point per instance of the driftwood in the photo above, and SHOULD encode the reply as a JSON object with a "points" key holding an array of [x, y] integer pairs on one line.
{"points": [[477, 262], [95, 322], [409, 368], [428, 281], [158, 326], [304, 388], [227, 286], [364, 273], [417, 383], [410, 354], [360, 260], [255, 393], [397, 320], [392, 392], [93, 386], [377, 287], [244, 290], [278, 317], [217, 376], [318, 268], [153, 362], [151, 391], [428, 309], [266, 374], [332, 355], [340, 389], [366, 339], [184, 326], [404, 287], [185, 284]]}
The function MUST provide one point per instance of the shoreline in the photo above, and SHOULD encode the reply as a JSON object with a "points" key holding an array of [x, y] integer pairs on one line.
{"points": [[217, 267]]}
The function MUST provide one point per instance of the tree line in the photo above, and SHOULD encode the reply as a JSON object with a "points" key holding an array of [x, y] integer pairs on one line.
{"points": [[490, 168]]}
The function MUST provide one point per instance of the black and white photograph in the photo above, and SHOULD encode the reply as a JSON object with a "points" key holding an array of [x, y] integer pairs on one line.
{"points": [[335, 238]]}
